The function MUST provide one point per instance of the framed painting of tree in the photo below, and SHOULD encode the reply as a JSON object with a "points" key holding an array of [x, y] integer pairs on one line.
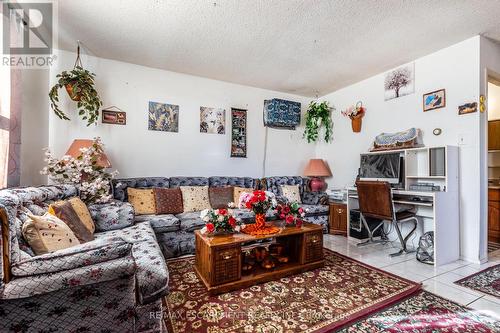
{"points": [[400, 82]]}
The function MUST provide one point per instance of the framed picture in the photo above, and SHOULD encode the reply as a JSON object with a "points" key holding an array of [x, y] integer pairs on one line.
{"points": [[467, 108], [399, 82], [434, 100], [212, 120], [114, 117], [163, 117], [238, 133]]}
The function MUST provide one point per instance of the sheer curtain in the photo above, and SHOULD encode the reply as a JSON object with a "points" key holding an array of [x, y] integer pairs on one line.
{"points": [[4, 123]]}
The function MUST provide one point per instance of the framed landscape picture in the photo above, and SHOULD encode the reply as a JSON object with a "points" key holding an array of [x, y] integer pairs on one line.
{"points": [[399, 82], [434, 100], [467, 108]]}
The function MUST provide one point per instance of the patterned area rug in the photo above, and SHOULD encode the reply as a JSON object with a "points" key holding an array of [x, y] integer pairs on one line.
{"points": [[316, 301], [425, 313], [486, 281]]}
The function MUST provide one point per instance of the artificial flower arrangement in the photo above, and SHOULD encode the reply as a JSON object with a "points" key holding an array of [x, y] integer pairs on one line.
{"points": [[259, 202], [92, 180], [291, 213], [355, 113], [219, 221]]}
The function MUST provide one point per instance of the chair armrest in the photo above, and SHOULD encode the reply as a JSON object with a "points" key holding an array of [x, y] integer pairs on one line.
{"points": [[315, 198], [29, 286], [112, 215], [94, 252]]}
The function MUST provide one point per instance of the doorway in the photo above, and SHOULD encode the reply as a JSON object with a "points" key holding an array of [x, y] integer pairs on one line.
{"points": [[493, 99]]}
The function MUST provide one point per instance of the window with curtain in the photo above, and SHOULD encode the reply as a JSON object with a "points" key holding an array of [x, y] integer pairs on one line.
{"points": [[4, 124]]}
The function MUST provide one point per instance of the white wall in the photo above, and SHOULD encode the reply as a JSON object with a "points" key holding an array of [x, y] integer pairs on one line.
{"points": [[455, 69], [136, 151], [493, 101]]}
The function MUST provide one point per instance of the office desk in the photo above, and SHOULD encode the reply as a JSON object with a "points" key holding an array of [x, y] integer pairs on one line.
{"points": [[438, 211]]}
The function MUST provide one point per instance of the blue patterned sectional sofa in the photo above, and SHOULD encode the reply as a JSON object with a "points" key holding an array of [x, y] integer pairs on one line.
{"points": [[111, 284], [114, 283], [175, 233]]}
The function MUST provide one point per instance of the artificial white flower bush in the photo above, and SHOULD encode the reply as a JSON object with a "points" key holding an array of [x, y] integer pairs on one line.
{"points": [[92, 180]]}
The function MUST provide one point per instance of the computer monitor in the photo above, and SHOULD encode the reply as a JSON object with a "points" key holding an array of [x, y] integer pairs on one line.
{"points": [[382, 167]]}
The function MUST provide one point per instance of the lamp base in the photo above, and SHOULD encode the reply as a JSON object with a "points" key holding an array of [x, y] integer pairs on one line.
{"points": [[317, 184]]}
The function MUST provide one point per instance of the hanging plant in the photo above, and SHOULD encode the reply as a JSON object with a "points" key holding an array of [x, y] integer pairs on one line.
{"points": [[79, 84], [318, 115]]}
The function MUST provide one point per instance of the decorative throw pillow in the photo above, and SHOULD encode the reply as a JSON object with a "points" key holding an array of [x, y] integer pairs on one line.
{"points": [[291, 192], [195, 198], [83, 213], [168, 200], [143, 200], [65, 211], [47, 234], [238, 191], [220, 196]]}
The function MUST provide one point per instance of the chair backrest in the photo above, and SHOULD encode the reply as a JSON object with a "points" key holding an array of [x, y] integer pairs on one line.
{"points": [[375, 199]]}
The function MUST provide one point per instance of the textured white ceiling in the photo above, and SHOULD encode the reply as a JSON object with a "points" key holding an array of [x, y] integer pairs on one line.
{"points": [[306, 47]]}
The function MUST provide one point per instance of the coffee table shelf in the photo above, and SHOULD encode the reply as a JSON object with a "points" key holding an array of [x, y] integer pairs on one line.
{"points": [[219, 258]]}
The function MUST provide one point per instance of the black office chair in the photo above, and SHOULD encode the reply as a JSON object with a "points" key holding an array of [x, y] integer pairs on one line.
{"points": [[375, 201]]}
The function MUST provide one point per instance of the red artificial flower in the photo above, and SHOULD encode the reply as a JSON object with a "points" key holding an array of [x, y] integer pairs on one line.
{"points": [[232, 222], [210, 227], [301, 210], [222, 211], [290, 219], [248, 205], [282, 216], [286, 209], [298, 223]]}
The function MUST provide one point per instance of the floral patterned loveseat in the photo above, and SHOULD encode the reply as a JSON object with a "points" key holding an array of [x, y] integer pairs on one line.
{"points": [[111, 284], [175, 233]]}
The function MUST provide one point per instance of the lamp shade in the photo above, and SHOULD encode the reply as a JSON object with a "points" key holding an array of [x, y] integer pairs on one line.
{"points": [[317, 168], [74, 151]]}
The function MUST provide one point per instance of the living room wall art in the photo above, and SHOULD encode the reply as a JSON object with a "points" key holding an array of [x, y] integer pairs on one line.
{"points": [[212, 120], [238, 133], [467, 108], [114, 115], [434, 100], [163, 117], [400, 82]]}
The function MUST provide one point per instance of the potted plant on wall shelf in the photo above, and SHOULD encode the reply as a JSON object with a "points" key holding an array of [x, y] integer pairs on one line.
{"points": [[80, 86], [356, 114], [318, 115]]}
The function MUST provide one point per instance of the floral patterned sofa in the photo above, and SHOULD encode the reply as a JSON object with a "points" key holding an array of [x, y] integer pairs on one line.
{"points": [[175, 233], [111, 284]]}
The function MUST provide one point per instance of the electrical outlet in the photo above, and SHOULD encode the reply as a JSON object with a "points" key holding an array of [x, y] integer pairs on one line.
{"points": [[463, 139]]}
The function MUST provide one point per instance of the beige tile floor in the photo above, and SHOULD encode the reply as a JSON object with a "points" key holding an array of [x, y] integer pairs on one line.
{"points": [[436, 280]]}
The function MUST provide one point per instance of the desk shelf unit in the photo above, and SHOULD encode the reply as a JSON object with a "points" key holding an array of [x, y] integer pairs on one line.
{"points": [[438, 210]]}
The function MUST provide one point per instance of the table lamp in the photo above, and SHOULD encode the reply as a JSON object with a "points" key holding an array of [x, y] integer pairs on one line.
{"points": [[317, 169], [74, 151]]}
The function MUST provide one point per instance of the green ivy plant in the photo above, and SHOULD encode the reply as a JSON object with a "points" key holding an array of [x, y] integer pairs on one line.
{"points": [[79, 84], [318, 115]]}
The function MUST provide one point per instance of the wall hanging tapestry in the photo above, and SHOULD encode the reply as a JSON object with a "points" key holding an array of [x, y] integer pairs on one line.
{"points": [[238, 133], [280, 113], [212, 120], [114, 115], [399, 82], [401, 140], [434, 100], [163, 117]]}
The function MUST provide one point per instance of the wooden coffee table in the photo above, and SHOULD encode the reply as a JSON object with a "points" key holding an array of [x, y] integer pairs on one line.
{"points": [[219, 258]]}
